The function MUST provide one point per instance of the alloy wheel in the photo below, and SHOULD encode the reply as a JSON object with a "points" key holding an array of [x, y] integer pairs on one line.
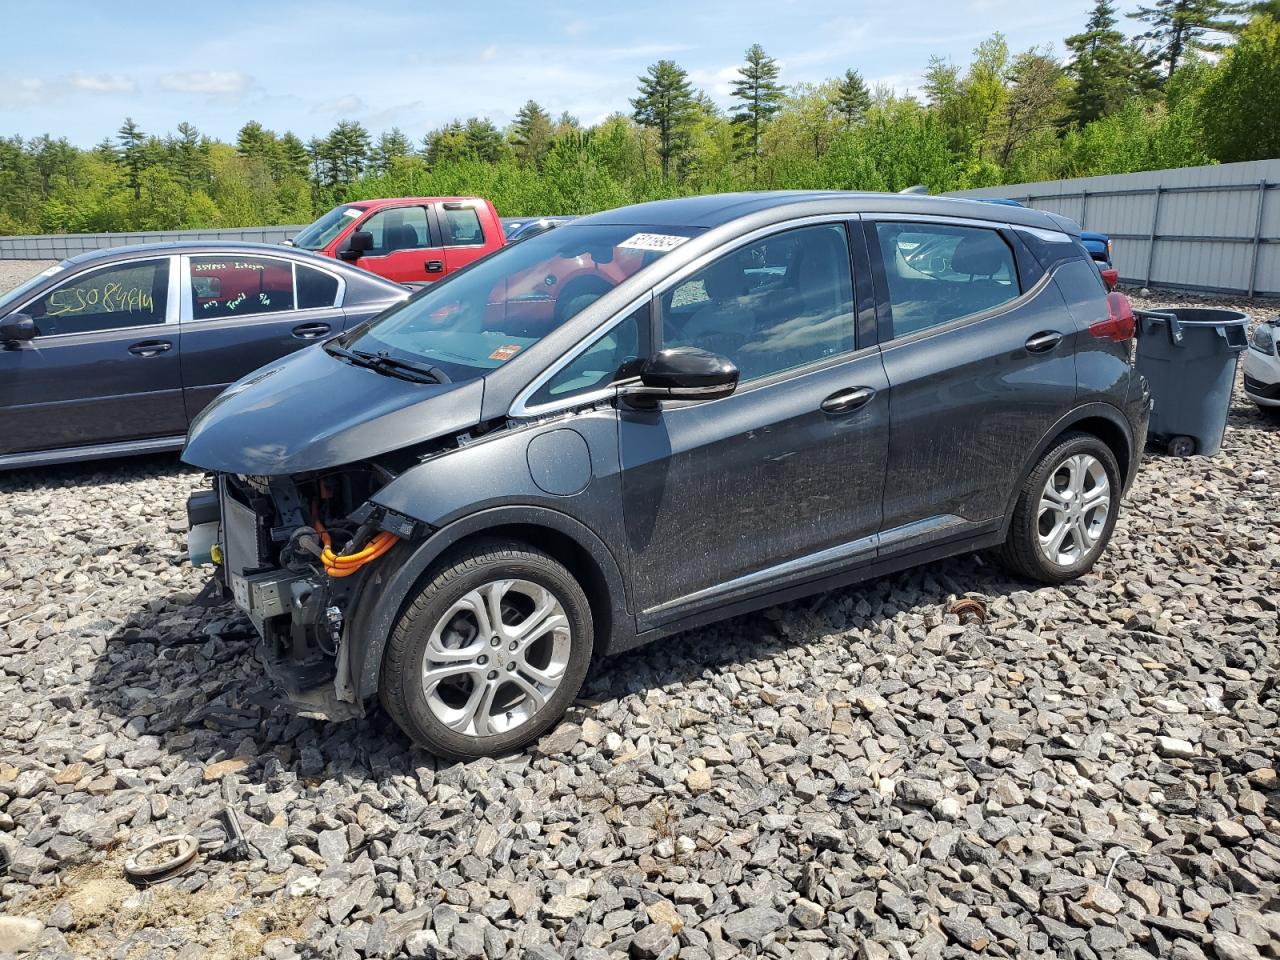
{"points": [[495, 657], [1073, 511]]}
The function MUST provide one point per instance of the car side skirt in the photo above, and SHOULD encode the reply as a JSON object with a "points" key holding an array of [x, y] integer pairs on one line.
{"points": [[96, 451]]}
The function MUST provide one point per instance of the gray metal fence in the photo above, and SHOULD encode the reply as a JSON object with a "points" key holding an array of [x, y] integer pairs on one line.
{"points": [[59, 246], [1213, 228]]}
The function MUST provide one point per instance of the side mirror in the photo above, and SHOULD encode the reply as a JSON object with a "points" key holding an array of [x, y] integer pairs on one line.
{"points": [[357, 245], [17, 327], [682, 373]]}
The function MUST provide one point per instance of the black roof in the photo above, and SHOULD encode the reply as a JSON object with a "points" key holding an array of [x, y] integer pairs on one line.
{"points": [[716, 209]]}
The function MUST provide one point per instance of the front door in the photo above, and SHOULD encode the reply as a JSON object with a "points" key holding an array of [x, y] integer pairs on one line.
{"points": [[103, 367], [782, 481], [403, 247], [979, 370], [242, 312]]}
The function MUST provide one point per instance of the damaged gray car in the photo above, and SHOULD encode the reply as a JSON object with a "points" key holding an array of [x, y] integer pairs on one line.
{"points": [[742, 399]]}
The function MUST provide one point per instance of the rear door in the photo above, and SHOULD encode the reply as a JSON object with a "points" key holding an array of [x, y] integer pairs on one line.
{"points": [[103, 367], [241, 312], [405, 246], [463, 233], [981, 363]]}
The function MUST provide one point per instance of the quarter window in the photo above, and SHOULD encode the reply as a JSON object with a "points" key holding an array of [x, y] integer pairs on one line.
{"points": [[614, 355], [462, 227], [126, 295], [398, 228], [315, 287], [780, 303], [232, 286], [938, 273]]}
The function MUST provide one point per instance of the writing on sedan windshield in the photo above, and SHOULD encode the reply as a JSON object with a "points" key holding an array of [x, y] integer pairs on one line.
{"points": [[110, 297]]}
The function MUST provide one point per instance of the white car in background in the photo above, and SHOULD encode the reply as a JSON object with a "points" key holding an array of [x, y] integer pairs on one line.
{"points": [[1262, 368]]}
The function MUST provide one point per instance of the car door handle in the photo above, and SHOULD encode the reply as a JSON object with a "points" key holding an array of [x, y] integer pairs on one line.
{"points": [[1043, 342], [851, 398], [310, 331], [435, 266], [150, 348]]}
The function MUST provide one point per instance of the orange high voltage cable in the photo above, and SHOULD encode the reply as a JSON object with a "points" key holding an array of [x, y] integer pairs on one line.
{"points": [[344, 565]]}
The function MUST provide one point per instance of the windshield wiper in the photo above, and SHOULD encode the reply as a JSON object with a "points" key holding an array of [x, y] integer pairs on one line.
{"points": [[389, 365]]}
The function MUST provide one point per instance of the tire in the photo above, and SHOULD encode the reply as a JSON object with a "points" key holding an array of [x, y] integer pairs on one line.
{"points": [[1270, 413], [461, 714], [1084, 539]]}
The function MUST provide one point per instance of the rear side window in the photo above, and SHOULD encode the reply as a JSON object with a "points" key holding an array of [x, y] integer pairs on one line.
{"points": [[938, 273], [110, 298], [462, 227], [315, 288], [233, 286]]}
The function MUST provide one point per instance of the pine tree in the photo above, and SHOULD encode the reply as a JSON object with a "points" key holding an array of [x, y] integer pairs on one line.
{"points": [[531, 134], [1179, 27], [391, 145], [1104, 66], [760, 98], [483, 140], [852, 97], [293, 155], [347, 150], [190, 153], [133, 154], [666, 105]]}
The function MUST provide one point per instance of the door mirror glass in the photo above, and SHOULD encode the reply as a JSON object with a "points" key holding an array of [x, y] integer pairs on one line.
{"points": [[683, 373], [17, 327], [358, 244]]}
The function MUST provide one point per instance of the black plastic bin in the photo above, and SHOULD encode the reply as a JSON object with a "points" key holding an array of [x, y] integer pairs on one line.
{"points": [[1189, 356]]}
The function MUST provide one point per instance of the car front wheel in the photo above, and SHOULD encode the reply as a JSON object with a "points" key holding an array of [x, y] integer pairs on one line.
{"points": [[489, 654], [1065, 512]]}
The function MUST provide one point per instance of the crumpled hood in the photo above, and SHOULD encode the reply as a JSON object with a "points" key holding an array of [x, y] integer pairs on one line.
{"points": [[312, 411]]}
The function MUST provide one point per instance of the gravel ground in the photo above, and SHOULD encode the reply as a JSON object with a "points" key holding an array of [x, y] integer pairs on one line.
{"points": [[1090, 771]]}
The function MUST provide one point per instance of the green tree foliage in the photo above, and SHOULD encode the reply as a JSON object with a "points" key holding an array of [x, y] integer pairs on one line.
{"points": [[759, 98], [666, 106], [1003, 117], [1176, 28], [1236, 107]]}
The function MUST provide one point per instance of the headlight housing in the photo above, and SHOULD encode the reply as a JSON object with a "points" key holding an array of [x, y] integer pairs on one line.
{"points": [[1264, 338]]}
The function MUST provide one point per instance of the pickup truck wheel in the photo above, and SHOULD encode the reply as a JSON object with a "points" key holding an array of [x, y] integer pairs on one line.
{"points": [[1065, 512], [489, 654]]}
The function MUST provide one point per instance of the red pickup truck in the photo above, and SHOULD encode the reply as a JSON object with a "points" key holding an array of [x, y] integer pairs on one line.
{"points": [[407, 239]]}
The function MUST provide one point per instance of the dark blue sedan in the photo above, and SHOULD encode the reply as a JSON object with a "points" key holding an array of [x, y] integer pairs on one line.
{"points": [[115, 352]]}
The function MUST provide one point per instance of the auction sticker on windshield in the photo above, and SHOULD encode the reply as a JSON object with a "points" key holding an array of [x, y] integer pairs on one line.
{"points": [[652, 241]]}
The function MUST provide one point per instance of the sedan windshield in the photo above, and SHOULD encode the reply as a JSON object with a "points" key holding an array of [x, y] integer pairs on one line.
{"points": [[480, 318], [318, 234]]}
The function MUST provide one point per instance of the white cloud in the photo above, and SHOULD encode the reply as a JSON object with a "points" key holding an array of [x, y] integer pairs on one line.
{"points": [[102, 83], [213, 82], [489, 53], [340, 106], [719, 83]]}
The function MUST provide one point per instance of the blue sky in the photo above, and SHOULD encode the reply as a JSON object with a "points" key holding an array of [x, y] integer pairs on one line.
{"points": [[419, 63]]}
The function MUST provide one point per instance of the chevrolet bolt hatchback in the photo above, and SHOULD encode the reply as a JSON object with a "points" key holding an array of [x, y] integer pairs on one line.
{"points": [[456, 506]]}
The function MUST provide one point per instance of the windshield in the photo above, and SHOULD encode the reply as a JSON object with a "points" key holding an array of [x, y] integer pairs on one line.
{"points": [[480, 318], [14, 296], [326, 228]]}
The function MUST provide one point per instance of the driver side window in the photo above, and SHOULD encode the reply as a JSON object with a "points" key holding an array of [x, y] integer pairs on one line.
{"points": [[614, 355], [782, 302]]}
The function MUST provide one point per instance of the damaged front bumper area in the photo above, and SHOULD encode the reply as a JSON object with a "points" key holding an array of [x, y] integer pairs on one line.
{"points": [[293, 554]]}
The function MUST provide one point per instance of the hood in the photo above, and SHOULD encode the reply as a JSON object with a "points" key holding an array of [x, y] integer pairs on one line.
{"points": [[1094, 236], [311, 411]]}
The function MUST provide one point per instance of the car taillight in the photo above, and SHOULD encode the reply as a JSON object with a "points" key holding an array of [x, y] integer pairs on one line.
{"points": [[1111, 277], [1119, 325]]}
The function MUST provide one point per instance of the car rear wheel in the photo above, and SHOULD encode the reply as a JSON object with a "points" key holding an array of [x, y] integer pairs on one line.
{"points": [[1065, 512], [489, 654]]}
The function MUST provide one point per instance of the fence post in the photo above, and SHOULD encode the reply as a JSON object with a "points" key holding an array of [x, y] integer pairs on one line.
{"points": [[1257, 235], [1084, 209], [1151, 243]]}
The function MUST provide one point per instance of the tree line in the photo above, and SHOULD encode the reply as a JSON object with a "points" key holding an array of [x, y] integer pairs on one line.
{"points": [[1197, 85]]}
